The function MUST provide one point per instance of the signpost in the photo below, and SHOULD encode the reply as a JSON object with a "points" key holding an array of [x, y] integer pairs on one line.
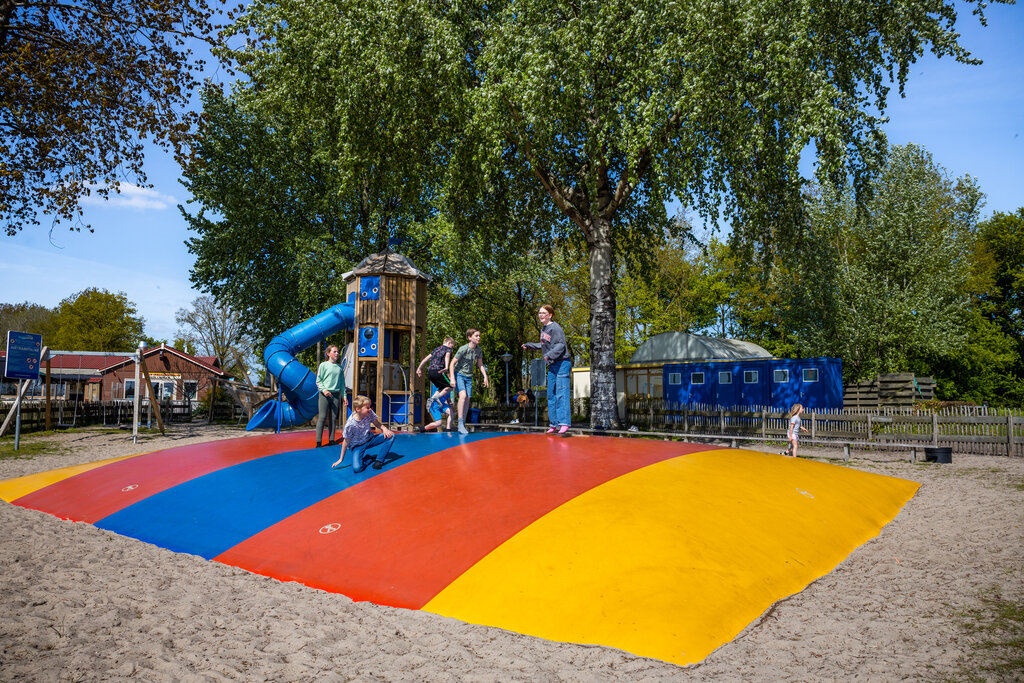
{"points": [[23, 351]]}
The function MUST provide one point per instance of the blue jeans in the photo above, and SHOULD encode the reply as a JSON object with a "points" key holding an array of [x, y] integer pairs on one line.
{"points": [[359, 451], [558, 393]]}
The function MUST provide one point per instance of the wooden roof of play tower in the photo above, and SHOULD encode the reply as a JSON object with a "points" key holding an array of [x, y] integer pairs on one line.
{"points": [[386, 262]]}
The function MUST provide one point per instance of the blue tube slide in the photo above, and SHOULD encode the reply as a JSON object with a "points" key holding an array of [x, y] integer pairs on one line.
{"points": [[298, 383]]}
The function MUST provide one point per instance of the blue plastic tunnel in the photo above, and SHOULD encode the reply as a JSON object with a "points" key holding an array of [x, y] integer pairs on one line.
{"points": [[298, 383]]}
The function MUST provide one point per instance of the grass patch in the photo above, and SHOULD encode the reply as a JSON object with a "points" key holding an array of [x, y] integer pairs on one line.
{"points": [[997, 631], [28, 448]]}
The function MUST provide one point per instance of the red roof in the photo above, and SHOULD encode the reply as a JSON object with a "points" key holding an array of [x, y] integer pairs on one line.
{"points": [[208, 362], [72, 360]]}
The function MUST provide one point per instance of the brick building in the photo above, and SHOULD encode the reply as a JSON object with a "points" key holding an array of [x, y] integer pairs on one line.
{"points": [[176, 376]]}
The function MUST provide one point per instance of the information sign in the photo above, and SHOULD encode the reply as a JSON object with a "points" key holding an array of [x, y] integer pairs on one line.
{"points": [[23, 350], [538, 373]]}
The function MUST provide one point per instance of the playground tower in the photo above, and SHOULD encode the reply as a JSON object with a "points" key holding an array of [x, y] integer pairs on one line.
{"points": [[389, 335]]}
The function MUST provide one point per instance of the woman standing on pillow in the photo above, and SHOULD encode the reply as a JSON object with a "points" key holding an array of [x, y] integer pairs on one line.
{"points": [[556, 354]]}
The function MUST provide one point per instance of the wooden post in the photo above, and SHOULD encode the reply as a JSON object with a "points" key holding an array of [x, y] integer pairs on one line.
{"points": [[870, 436], [764, 424], [846, 452], [152, 398], [213, 399], [814, 425], [1009, 434], [935, 429], [721, 420], [11, 415]]}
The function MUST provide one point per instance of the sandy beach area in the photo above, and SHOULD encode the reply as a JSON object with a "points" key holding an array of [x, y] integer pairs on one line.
{"points": [[919, 601]]}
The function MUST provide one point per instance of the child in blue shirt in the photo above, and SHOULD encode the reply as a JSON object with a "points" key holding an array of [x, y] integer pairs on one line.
{"points": [[438, 410]]}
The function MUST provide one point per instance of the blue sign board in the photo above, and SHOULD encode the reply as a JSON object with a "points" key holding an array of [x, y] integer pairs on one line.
{"points": [[23, 351]]}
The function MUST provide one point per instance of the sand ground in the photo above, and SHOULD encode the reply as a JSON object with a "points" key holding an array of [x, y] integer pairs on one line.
{"points": [[81, 603]]}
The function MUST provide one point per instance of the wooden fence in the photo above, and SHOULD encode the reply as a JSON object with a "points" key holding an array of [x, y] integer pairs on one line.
{"points": [[901, 389], [965, 429], [114, 414]]}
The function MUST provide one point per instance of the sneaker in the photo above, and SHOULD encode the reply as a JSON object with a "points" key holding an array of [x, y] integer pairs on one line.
{"points": [[552, 430], [514, 422], [563, 429], [462, 429], [430, 401]]}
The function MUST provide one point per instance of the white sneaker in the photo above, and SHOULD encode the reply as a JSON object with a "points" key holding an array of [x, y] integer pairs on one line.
{"points": [[514, 422], [462, 429]]}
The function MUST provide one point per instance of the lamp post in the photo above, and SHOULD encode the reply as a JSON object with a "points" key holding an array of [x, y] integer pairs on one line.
{"points": [[506, 357]]}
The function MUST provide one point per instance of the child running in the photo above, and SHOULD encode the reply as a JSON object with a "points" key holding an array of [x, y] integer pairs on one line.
{"points": [[358, 437], [793, 434], [460, 373], [439, 359]]}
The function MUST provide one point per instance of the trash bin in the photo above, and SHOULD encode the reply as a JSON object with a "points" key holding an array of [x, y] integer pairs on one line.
{"points": [[474, 416], [936, 454]]}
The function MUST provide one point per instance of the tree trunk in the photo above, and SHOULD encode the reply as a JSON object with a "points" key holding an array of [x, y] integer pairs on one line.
{"points": [[603, 405]]}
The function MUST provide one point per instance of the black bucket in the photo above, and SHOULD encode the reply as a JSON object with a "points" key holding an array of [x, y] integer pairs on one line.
{"points": [[936, 454]]}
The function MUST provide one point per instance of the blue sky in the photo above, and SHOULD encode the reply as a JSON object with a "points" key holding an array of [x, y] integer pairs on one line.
{"points": [[970, 118]]}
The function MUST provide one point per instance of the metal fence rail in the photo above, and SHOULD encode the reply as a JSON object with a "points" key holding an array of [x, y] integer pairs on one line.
{"points": [[965, 429]]}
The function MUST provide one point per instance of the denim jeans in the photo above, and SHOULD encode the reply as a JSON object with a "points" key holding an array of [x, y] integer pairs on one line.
{"points": [[558, 393], [464, 383], [379, 440]]}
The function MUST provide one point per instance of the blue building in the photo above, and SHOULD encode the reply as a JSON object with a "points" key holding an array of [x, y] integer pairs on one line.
{"points": [[775, 383], [696, 369]]}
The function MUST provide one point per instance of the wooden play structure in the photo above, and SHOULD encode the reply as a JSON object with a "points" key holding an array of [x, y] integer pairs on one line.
{"points": [[389, 335]]}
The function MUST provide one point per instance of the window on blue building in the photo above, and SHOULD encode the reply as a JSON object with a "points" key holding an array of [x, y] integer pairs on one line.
{"points": [[810, 374], [725, 377], [750, 376], [781, 376], [696, 378], [675, 378]]}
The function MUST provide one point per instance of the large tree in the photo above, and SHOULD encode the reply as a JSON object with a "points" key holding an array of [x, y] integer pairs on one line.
{"points": [[25, 317], [611, 106], [278, 222], [1002, 237], [96, 320], [82, 85], [888, 282], [217, 330]]}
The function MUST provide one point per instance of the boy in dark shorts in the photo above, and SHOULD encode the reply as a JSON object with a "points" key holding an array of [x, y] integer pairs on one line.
{"points": [[438, 359]]}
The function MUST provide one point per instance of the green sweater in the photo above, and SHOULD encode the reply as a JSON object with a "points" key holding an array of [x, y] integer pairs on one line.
{"points": [[330, 378]]}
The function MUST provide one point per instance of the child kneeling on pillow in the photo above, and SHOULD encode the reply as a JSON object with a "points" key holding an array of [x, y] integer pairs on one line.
{"points": [[358, 436]]}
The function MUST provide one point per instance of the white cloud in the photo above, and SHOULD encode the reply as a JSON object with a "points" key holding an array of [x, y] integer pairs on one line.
{"points": [[131, 196]]}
